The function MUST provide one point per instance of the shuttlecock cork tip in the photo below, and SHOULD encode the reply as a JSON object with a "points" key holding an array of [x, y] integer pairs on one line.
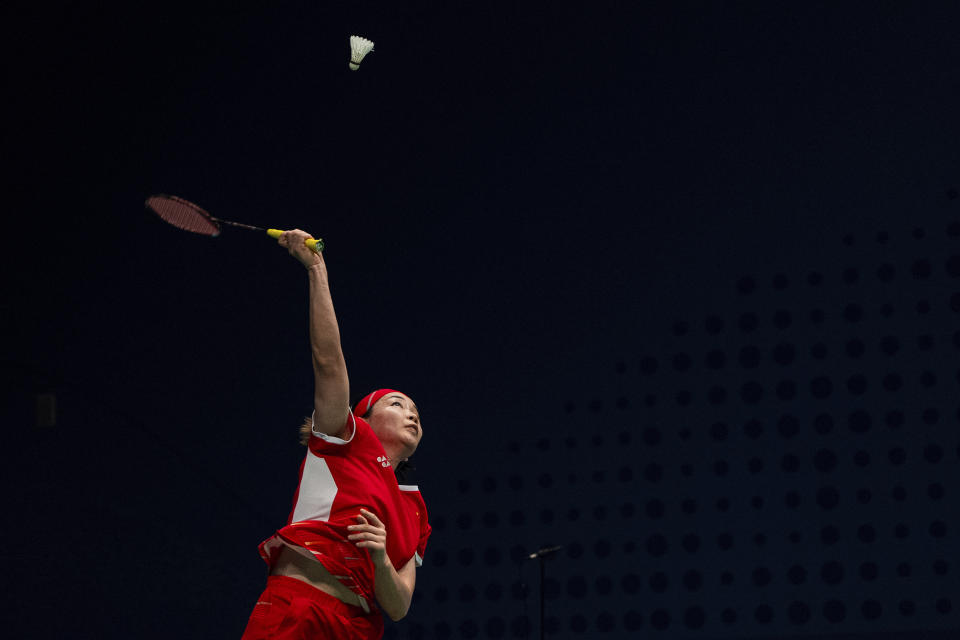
{"points": [[359, 48]]}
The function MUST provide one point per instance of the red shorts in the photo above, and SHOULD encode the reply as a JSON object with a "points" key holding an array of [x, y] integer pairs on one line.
{"points": [[290, 609]]}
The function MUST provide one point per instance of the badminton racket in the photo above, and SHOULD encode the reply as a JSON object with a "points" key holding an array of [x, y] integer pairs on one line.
{"points": [[185, 215]]}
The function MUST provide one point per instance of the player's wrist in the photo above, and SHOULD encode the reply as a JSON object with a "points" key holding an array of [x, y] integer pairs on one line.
{"points": [[380, 558]]}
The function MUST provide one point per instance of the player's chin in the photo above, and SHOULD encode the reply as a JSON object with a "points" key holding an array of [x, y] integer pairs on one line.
{"points": [[411, 446]]}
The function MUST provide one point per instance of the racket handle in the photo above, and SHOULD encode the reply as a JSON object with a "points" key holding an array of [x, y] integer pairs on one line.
{"points": [[317, 245]]}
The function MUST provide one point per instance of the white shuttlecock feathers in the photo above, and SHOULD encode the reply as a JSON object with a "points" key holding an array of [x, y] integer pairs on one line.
{"points": [[359, 47]]}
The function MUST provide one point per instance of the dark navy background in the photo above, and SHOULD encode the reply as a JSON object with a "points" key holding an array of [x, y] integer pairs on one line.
{"points": [[639, 264]]}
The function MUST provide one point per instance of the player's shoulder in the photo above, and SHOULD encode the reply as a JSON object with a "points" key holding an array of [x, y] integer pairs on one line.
{"points": [[356, 434], [412, 496]]}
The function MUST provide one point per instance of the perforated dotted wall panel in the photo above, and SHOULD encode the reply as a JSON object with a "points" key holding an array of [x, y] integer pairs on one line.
{"points": [[787, 464]]}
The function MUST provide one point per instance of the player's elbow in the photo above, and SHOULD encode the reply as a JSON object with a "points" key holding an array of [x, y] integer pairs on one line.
{"points": [[328, 364], [399, 611]]}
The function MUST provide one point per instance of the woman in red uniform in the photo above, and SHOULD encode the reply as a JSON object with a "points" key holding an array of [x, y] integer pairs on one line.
{"points": [[355, 536]]}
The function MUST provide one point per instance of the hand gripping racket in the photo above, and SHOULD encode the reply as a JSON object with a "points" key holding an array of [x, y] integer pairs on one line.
{"points": [[189, 217]]}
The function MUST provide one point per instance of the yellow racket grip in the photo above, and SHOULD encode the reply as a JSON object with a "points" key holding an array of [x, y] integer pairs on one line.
{"points": [[315, 244]]}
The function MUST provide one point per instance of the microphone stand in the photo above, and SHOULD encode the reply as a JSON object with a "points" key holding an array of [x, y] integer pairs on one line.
{"points": [[541, 555]]}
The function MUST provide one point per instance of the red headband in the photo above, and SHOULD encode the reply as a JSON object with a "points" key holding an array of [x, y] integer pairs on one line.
{"points": [[369, 400]]}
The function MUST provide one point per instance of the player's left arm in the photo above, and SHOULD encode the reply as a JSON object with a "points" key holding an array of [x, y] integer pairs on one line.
{"points": [[393, 589]]}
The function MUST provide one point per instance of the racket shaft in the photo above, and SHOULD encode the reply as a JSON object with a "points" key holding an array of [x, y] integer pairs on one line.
{"points": [[239, 224]]}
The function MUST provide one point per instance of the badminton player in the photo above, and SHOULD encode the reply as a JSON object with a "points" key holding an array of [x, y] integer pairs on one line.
{"points": [[355, 536]]}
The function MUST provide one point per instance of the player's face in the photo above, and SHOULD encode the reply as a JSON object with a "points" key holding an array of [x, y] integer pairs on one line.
{"points": [[396, 422]]}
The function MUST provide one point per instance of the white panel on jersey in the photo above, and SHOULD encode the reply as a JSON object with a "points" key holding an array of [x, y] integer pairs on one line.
{"points": [[317, 491]]}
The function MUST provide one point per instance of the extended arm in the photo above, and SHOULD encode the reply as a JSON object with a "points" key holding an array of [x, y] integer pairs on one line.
{"points": [[331, 396]]}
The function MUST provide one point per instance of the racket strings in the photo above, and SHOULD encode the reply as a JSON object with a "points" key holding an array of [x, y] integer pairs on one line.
{"points": [[184, 215]]}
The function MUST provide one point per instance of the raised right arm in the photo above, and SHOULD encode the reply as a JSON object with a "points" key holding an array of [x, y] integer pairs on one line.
{"points": [[331, 394]]}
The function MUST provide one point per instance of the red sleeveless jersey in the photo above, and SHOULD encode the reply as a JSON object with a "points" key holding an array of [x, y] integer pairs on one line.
{"points": [[337, 478]]}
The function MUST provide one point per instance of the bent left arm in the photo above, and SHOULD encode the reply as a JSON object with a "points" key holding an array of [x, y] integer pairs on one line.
{"points": [[393, 589]]}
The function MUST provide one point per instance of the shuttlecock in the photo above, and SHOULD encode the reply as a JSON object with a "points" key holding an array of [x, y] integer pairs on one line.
{"points": [[359, 47]]}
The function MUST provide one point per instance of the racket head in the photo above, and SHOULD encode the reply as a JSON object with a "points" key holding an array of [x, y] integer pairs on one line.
{"points": [[183, 214]]}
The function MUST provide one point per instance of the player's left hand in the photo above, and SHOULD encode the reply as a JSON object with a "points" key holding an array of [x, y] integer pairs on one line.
{"points": [[370, 534]]}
